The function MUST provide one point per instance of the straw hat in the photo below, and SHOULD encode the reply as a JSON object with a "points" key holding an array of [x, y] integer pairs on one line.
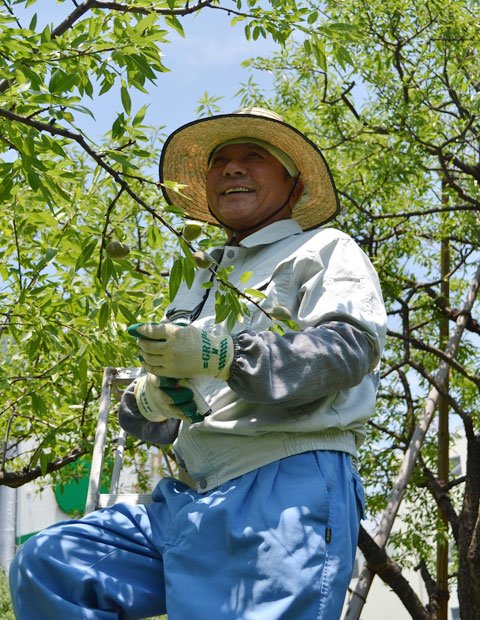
{"points": [[186, 152]]}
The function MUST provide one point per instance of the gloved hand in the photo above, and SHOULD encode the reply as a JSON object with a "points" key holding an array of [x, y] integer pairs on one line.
{"points": [[168, 350], [160, 398]]}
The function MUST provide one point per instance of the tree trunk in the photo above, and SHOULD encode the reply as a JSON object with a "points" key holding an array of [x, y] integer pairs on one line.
{"points": [[469, 537]]}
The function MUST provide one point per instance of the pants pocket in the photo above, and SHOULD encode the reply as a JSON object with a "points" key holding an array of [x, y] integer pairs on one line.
{"points": [[359, 494]]}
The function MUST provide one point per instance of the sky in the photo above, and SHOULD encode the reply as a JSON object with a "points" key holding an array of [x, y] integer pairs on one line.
{"points": [[208, 59]]}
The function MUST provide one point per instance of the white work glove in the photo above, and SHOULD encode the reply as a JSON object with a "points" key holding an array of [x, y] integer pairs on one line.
{"points": [[169, 350], [160, 398]]}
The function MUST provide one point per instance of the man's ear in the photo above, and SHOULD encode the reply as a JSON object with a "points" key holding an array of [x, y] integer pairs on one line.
{"points": [[297, 192]]}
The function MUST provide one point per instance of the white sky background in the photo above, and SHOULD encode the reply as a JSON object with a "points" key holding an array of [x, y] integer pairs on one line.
{"points": [[207, 59]]}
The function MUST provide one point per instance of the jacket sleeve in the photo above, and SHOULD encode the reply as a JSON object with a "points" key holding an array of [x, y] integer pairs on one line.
{"points": [[300, 367], [339, 306], [130, 418]]}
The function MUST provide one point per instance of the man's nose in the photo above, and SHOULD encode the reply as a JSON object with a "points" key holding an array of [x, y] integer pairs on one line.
{"points": [[234, 167]]}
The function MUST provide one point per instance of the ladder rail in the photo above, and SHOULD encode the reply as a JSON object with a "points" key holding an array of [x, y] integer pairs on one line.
{"points": [[113, 378], [99, 442], [118, 461]]}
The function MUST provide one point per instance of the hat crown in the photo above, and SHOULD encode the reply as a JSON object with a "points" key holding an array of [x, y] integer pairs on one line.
{"points": [[263, 112]]}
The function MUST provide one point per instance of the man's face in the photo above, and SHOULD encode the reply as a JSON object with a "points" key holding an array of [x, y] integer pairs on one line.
{"points": [[245, 184]]}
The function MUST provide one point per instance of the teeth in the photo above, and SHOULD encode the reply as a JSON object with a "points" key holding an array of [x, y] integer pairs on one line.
{"points": [[234, 190]]}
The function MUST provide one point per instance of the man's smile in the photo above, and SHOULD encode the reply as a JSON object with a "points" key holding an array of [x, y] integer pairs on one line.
{"points": [[237, 190]]}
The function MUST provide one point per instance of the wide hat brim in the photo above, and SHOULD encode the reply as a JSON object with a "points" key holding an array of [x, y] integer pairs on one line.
{"points": [[185, 154]]}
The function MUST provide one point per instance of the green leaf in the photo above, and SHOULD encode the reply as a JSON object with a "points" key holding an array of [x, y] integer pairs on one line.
{"points": [[139, 116], [343, 28], [238, 18], [232, 320], [46, 34], [253, 292], [125, 97], [6, 186], [104, 314], [44, 461], [56, 148], [343, 56], [87, 251], [107, 271], [222, 308], [83, 109], [33, 178], [38, 405], [50, 254], [83, 370], [118, 127], [188, 272], [127, 313], [172, 21], [61, 82], [318, 48], [33, 23], [122, 159], [175, 280], [245, 277], [186, 250], [108, 82], [146, 22]]}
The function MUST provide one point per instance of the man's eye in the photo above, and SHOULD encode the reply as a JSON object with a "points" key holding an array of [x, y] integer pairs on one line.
{"points": [[218, 161]]}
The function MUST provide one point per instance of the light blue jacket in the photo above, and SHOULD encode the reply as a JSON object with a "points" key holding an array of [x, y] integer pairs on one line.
{"points": [[307, 390]]}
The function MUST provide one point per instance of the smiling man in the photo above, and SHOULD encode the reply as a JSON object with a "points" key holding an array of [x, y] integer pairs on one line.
{"points": [[266, 431]]}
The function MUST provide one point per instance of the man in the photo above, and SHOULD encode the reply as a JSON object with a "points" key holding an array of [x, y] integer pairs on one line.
{"points": [[265, 426]]}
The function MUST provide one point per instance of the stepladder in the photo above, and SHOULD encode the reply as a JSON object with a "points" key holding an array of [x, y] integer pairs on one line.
{"points": [[112, 451]]}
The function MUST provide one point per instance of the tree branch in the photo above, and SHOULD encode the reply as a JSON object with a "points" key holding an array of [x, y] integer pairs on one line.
{"points": [[16, 479], [439, 492], [466, 419], [379, 562], [121, 7], [423, 346]]}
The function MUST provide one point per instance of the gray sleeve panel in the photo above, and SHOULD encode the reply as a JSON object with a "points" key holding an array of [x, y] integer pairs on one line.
{"points": [[300, 367], [130, 418]]}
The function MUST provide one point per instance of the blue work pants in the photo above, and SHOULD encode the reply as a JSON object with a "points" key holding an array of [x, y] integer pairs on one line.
{"points": [[277, 543]]}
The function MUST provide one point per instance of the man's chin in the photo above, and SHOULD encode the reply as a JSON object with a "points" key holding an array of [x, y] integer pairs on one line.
{"points": [[237, 217]]}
